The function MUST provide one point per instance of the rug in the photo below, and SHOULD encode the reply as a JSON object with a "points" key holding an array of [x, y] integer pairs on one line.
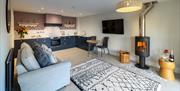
{"points": [[97, 75]]}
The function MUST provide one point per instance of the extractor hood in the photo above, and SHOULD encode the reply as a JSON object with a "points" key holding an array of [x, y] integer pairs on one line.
{"points": [[53, 20]]}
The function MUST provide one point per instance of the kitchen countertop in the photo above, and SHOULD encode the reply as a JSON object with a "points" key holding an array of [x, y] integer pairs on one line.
{"points": [[51, 37]]}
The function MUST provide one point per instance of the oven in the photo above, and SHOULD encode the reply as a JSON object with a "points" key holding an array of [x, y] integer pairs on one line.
{"points": [[55, 42]]}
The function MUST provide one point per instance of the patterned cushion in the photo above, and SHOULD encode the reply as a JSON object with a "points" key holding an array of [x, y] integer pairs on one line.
{"points": [[42, 57], [28, 60]]}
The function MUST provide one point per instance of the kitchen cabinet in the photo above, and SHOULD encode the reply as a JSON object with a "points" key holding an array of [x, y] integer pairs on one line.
{"points": [[35, 21], [31, 20], [69, 22], [81, 42], [68, 42]]}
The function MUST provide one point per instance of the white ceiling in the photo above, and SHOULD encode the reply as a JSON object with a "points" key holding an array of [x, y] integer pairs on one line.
{"points": [[77, 8]]}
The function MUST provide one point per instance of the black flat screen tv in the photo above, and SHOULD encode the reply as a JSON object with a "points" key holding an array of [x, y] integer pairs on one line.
{"points": [[113, 26]]}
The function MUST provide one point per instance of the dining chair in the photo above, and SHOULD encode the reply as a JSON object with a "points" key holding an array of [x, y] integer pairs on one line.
{"points": [[104, 45]]}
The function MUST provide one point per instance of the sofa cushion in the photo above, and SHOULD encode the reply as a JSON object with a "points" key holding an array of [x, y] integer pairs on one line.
{"points": [[20, 69], [44, 47], [49, 53], [36, 44], [52, 57], [28, 60], [19, 56], [25, 45], [42, 57]]}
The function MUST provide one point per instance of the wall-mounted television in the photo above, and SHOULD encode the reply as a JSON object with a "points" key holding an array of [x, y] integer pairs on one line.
{"points": [[113, 26]]}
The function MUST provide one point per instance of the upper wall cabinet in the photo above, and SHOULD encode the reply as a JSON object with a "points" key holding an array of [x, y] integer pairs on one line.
{"points": [[53, 20], [69, 22], [39, 21], [31, 20]]}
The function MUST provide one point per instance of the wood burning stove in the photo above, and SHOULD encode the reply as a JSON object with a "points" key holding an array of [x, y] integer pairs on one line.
{"points": [[142, 42], [142, 49]]}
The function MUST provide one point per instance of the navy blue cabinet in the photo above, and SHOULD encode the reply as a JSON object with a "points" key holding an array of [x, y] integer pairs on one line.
{"points": [[65, 42], [72, 41], [81, 42], [68, 42]]}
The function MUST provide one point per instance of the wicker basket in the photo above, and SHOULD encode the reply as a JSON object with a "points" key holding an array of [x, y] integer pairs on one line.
{"points": [[124, 57]]}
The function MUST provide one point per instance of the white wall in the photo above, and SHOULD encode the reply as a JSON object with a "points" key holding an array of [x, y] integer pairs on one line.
{"points": [[162, 26], [4, 44], [11, 34]]}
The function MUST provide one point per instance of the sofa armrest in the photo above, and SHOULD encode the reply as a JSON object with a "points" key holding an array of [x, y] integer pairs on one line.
{"points": [[49, 78]]}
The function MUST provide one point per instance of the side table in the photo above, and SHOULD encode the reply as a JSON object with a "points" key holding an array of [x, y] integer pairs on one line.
{"points": [[167, 69]]}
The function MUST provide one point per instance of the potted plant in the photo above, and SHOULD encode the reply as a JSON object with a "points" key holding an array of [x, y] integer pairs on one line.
{"points": [[22, 30]]}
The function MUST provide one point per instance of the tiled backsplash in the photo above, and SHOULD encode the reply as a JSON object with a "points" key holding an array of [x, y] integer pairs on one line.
{"points": [[56, 31], [47, 32]]}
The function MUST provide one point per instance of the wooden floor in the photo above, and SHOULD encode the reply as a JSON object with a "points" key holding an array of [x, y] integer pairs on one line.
{"points": [[78, 56]]}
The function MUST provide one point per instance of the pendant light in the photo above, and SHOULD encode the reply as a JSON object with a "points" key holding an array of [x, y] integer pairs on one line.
{"points": [[129, 6]]}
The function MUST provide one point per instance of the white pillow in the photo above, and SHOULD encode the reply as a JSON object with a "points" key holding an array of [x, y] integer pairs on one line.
{"points": [[28, 60], [25, 45], [20, 69]]}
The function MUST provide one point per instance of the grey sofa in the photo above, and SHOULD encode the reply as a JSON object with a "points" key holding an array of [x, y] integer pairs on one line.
{"points": [[50, 78]]}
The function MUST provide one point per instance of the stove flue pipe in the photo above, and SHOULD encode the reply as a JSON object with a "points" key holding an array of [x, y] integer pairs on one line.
{"points": [[142, 18]]}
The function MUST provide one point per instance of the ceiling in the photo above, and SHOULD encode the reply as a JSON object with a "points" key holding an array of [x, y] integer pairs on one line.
{"points": [[77, 8]]}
